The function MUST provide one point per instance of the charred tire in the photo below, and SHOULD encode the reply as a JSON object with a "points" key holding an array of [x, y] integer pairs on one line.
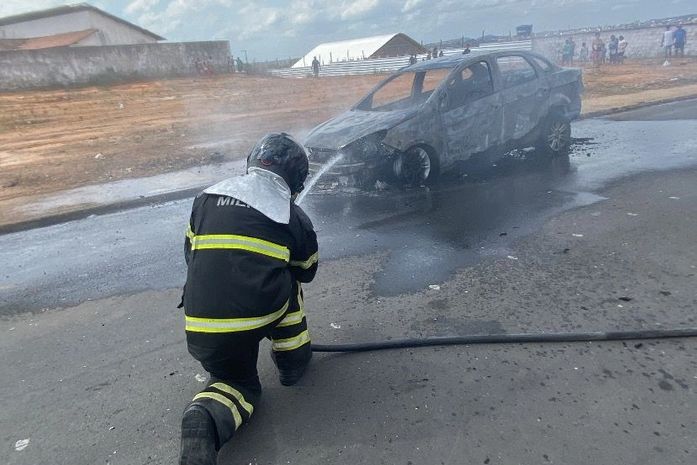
{"points": [[555, 136], [417, 166]]}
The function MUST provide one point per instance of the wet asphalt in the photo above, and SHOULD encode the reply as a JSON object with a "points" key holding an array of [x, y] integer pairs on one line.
{"points": [[95, 368], [428, 233]]}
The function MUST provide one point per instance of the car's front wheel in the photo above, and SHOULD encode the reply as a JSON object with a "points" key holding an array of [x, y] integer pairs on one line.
{"points": [[555, 136], [417, 166]]}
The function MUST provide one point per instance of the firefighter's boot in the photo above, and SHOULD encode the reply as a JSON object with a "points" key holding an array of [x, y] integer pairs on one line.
{"points": [[290, 373], [199, 438]]}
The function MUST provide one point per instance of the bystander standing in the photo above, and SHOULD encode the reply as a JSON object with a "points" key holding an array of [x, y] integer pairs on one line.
{"points": [[621, 49], [597, 50], [315, 67], [680, 39], [613, 49], [583, 53], [667, 42]]}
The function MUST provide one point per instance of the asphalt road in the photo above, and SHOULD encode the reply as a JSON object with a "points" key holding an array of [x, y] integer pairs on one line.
{"points": [[95, 368]]}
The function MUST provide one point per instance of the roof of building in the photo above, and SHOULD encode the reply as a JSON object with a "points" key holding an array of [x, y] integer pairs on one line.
{"points": [[349, 50], [672, 21], [66, 9], [35, 43]]}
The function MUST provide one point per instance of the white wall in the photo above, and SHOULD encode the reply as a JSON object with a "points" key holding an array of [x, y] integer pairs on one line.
{"points": [[71, 22], [110, 32], [116, 33]]}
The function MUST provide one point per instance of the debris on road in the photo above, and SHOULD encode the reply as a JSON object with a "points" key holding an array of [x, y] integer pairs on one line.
{"points": [[511, 257], [632, 214], [21, 444], [200, 378], [674, 198], [335, 325], [434, 287], [577, 235]]}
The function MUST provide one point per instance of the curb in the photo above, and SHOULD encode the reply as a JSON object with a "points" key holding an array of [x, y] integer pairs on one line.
{"points": [[636, 106], [58, 218]]}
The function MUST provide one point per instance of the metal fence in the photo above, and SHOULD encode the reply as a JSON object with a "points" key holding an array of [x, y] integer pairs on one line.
{"points": [[388, 65]]}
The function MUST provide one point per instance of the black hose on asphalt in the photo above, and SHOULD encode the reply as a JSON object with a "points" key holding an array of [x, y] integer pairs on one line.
{"points": [[508, 339]]}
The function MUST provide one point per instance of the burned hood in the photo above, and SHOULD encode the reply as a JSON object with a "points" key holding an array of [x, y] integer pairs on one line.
{"points": [[351, 125]]}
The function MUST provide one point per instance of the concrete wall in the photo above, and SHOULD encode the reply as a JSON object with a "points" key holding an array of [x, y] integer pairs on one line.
{"points": [[68, 66], [110, 32], [643, 43]]}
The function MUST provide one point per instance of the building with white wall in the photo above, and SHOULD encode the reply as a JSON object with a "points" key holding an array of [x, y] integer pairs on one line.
{"points": [[390, 45], [70, 25]]}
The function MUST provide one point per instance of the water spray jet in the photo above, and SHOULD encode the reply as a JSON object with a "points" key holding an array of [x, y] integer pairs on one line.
{"points": [[326, 167]]}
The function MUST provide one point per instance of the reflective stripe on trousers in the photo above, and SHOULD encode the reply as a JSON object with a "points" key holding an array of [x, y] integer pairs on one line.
{"points": [[228, 407], [232, 325]]}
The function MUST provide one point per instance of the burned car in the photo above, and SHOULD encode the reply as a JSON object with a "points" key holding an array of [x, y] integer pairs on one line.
{"points": [[430, 117]]}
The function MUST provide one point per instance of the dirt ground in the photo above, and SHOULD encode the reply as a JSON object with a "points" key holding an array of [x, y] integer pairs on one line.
{"points": [[59, 139]]}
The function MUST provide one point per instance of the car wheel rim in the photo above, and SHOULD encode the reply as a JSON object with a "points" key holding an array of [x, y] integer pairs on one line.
{"points": [[414, 166], [559, 136]]}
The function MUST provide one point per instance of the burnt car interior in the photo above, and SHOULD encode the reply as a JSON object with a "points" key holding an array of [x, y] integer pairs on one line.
{"points": [[405, 90], [515, 70], [471, 83]]}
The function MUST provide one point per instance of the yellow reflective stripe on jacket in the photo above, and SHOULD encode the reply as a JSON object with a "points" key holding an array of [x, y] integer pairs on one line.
{"points": [[307, 263], [234, 241], [231, 325], [225, 401], [236, 394], [291, 343], [189, 232]]}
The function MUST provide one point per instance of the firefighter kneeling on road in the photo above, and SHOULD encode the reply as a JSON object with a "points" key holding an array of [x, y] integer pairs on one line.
{"points": [[248, 248]]}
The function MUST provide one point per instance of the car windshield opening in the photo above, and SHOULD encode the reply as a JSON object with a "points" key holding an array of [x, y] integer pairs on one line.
{"points": [[407, 90]]}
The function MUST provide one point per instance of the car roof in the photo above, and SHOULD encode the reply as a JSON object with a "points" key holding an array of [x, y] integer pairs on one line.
{"points": [[451, 61]]}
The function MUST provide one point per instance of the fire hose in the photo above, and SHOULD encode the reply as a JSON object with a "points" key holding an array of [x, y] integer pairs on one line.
{"points": [[508, 339]]}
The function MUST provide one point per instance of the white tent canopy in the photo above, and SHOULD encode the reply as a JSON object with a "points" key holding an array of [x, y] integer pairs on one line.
{"points": [[346, 50]]}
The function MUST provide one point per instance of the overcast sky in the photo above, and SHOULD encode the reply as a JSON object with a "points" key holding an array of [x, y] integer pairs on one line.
{"points": [[271, 29]]}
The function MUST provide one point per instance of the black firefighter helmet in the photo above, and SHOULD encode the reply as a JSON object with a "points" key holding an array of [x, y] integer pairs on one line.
{"points": [[281, 154]]}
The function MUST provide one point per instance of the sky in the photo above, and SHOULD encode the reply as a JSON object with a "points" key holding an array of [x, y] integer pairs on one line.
{"points": [[270, 29]]}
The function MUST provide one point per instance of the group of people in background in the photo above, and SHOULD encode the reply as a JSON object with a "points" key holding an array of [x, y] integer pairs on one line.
{"points": [[599, 52], [204, 66], [614, 50], [673, 43], [431, 54]]}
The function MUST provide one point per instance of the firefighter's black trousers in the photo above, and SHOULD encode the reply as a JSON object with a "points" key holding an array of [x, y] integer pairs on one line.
{"points": [[234, 387]]}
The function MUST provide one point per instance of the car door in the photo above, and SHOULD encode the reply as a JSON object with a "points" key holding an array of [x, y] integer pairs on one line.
{"points": [[522, 92], [470, 111]]}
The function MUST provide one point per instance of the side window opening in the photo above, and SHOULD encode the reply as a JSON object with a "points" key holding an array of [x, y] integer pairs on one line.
{"points": [[472, 83], [543, 64], [515, 70]]}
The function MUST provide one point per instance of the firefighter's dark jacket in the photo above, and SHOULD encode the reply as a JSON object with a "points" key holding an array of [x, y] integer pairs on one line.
{"points": [[242, 267]]}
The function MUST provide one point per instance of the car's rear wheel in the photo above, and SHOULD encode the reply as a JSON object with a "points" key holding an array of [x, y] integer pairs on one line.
{"points": [[555, 137], [417, 166]]}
